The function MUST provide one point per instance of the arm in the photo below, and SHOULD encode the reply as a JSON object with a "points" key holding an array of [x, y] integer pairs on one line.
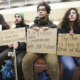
{"points": [[19, 46]]}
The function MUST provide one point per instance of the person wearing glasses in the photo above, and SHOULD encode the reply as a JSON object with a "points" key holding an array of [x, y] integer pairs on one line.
{"points": [[41, 22]]}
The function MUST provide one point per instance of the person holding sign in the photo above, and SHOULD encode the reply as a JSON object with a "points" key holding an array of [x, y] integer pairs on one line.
{"points": [[71, 25], [41, 22], [3, 26], [20, 47]]}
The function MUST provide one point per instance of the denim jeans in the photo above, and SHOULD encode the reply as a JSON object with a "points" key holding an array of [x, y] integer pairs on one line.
{"points": [[68, 66]]}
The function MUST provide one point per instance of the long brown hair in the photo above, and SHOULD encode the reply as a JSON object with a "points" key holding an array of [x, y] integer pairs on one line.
{"points": [[65, 21], [3, 23]]}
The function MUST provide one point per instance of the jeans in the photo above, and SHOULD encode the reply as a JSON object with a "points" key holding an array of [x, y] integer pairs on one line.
{"points": [[30, 58], [68, 66]]}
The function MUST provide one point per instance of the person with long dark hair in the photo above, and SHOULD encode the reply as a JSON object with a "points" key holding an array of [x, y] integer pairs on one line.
{"points": [[4, 26], [3, 23], [71, 25]]}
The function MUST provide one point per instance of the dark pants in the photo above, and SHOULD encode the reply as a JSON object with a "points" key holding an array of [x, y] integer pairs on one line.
{"points": [[19, 56]]}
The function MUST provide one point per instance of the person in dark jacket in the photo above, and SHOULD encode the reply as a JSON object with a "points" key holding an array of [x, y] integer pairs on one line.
{"points": [[20, 47], [5, 26], [41, 22], [71, 25]]}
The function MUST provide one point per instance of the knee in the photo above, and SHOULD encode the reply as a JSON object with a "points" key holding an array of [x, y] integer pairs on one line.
{"points": [[69, 68], [52, 60]]}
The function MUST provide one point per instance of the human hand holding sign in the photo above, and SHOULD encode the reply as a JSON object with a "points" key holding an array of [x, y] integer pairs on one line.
{"points": [[10, 45], [71, 32], [15, 45], [36, 28], [44, 28]]}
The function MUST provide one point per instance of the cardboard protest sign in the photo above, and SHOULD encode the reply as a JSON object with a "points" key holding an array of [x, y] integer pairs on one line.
{"points": [[69, 45], [13, 35], [41, 41]]}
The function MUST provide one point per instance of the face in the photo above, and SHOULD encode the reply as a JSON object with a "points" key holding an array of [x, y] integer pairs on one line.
{"points": [[18, 19], [42, 13], [72, 16]]}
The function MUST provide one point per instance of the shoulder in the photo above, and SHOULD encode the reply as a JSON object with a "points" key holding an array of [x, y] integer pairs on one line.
{"points": [[51, 24]]}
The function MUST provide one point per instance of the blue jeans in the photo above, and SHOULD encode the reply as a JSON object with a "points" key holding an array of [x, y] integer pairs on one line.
{"points": [[68, 66]]}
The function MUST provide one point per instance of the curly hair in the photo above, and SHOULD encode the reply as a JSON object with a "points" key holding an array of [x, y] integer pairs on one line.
{"points": [[65, 21], [48, 9]]}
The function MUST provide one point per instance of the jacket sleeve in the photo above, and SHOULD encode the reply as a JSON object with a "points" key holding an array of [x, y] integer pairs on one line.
{"points": [[59, 31], [21, 46], [2, 48]]}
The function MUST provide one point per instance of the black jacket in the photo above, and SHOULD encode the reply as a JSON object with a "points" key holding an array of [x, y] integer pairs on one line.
{"points": [[22, 45], [2, 48], [63, 30]]}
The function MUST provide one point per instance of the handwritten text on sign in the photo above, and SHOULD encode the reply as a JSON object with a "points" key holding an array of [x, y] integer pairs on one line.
{"points": [[13, 35], [41, 41], [69, 45]]}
